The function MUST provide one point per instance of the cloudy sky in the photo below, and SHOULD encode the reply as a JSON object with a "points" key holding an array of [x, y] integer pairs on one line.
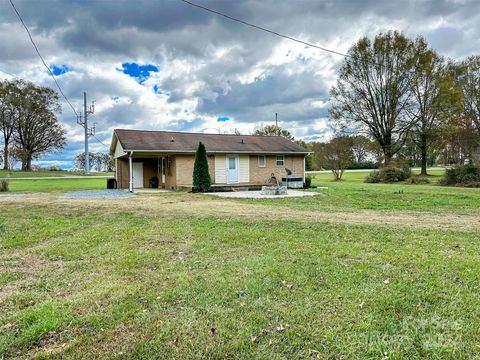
{"points": [[165, 65]]}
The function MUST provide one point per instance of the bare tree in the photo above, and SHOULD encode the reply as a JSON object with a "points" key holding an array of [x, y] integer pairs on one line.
{"points": [[8, 116], [98, 161], [435, 96], [470, 81], [362, 148], [459, 141], [12, 159], [336, 155], [38, 130], [80, 160], [372, 93]]}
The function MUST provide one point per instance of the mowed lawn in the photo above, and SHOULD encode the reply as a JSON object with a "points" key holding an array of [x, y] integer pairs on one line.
{"points": [[45, 173], [361, 271], [360, 175], [55, 185], [36, 181]]}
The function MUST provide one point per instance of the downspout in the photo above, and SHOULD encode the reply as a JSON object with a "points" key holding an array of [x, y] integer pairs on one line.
{"points": [[130, 171]]}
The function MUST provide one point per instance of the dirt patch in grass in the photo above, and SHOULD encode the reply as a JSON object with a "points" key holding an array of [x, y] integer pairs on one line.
{"points": [[202, 207], [171, 205], [29, 268]]}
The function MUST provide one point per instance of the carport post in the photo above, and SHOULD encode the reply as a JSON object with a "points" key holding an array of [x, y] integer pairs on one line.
{"points": [[130, 172], [304, 169]]}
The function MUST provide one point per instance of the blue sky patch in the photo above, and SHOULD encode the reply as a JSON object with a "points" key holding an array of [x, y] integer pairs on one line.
{"points": [[223, 118], [59, 69], [138, 72]]}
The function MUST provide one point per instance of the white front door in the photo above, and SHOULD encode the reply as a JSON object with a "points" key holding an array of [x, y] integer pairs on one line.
{"points": [[137, 175], [232, 169]]}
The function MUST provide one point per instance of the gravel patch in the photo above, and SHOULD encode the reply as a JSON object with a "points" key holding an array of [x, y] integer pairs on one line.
{"points": [[258, 194], [98, 194]]}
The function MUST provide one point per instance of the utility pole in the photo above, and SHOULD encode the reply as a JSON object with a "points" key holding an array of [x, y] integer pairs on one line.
{"points": [[87, 131], [276, 120]]}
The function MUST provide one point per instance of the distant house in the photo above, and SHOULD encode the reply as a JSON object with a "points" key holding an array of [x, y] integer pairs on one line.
{"points": [[233, 160]]}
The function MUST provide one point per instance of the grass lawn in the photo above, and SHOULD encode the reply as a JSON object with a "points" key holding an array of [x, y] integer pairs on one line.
{"points": [[434, 173], [44, 173], [362, 271], [40, 185]]}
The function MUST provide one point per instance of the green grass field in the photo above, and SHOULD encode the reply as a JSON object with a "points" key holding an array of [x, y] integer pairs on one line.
{"points": [[34, 174], [434, 173], [361, 271], [47, 185]]}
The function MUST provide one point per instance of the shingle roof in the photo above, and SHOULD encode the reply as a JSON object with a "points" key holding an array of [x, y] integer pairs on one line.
{"points": [[167, 141]]}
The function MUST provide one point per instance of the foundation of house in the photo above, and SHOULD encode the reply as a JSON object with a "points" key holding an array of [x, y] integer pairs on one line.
{"points": [[274, 190]]}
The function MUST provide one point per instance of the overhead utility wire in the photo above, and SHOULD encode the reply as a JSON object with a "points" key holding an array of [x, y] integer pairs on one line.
{"points": [[46, 66], [263, 29], [41, 58], [6, 73], [100, 141]]}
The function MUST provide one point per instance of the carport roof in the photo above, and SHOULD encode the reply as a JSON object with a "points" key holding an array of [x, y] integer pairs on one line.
{"points": [[183, 142]]}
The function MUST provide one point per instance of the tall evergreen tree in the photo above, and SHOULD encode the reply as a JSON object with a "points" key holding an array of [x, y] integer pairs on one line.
{"points": [[201, 176]]}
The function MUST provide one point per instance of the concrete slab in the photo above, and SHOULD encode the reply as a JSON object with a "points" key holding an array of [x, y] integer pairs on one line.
{"points": [[258, 195], [150, 190]]}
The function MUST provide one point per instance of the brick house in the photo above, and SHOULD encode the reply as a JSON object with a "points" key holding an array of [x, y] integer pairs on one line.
{"points": [[233, 160]]}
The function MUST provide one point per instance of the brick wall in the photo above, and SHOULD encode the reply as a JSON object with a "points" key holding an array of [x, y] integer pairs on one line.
{"points": [[122, 173], [259, 175], [180, 172], [184, 169]]}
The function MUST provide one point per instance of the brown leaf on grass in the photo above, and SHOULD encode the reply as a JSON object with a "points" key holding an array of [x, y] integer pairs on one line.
{"points": [[253, 338], [6, 326], [362, 304], [386, 281], [174, 342], [213, 330]]}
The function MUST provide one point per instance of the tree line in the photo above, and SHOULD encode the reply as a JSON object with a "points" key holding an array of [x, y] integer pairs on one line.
{"points": [[28, 123], [98, 161], [414, 104], [398, 102]]}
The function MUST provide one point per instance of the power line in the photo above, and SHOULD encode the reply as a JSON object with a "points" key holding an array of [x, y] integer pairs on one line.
{"points": [[100, 141], [48, 68], [6, 73], [41, 58], [263, 29]]}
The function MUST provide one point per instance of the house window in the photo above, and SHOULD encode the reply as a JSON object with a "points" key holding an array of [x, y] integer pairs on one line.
{"points": [[261, 161], [280, 160]]}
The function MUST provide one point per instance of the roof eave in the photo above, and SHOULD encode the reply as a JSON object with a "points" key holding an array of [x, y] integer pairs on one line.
{"points": [[113, 143], [221, 152]]}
